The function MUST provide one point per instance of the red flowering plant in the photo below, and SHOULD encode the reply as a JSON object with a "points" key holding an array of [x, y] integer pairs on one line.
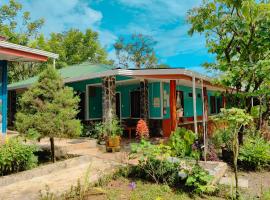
{"points": [[142, 130]]}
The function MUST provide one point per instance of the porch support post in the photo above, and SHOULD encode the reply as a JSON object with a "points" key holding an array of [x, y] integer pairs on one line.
{"points": [[224, 101], [173, 104], [194, 104], [108, 98], [3, 100], [144, 100], [204, 125]]}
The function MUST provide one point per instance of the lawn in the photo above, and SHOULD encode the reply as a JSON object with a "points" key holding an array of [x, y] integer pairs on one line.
{"points": [[120, 189]]}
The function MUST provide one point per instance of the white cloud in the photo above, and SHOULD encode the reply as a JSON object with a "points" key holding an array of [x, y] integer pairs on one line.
{"points": [[60, 15], [162, 10], [155, 20]]}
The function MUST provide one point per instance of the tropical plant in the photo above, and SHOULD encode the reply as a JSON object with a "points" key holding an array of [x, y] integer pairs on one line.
{"points": [[181, 141], [236, 119], [16, 156], [48, 109], [142, 130], [255, 153]]}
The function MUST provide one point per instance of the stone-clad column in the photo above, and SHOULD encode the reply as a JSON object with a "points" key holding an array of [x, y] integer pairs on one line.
{"points": [[108, 98], [144, 100]]}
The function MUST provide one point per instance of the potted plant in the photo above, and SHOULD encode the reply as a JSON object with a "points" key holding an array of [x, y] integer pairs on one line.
{"points": [[114, 132]]}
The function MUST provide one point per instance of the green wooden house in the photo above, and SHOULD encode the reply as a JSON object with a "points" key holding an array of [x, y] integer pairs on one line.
{"points": [[164, 97]]}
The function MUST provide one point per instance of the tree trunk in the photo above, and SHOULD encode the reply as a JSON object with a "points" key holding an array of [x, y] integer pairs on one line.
{"points": [[52, 149], [235, 159]]}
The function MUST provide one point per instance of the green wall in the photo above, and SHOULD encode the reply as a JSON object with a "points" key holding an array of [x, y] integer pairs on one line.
{"points": [[95, 104], [155, 103], [125, 98], [158, 103]]}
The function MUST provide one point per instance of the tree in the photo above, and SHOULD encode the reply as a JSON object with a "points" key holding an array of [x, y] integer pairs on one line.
{"points": [[237, 32], [136, 51], [48, 109], [235, 119], [19, 32], [73, 47]]}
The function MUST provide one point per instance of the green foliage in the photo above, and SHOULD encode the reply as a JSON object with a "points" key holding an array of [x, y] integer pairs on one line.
{"points": [[266, 195], [159, 171], [199, 180], [153, 164], [181, 141], [255, 153], [109, 128], [235, 119], [222, 139], [48, 109], [136, 51], [73, 46], [236, 32], [147, 150], [16, 156]]}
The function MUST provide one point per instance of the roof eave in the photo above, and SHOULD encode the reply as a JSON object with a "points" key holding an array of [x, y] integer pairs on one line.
{"points": [[28, 49]]}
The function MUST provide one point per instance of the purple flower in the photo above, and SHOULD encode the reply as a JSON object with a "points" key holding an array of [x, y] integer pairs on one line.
{"points": [[132, 185]]}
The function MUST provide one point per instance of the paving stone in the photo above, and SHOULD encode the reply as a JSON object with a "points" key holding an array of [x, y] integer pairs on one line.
{"points": [[60, 176]]}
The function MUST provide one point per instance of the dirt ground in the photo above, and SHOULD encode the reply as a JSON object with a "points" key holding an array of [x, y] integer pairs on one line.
{"points": [[258, 182]]}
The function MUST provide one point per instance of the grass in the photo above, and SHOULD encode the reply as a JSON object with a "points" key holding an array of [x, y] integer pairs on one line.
{"points": [[119, 189]]}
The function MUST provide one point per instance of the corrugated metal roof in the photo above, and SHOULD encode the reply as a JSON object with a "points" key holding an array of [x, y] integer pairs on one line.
{"points": [[71, 72]]}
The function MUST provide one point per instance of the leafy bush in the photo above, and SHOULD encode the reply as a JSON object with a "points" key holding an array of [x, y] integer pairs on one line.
{"points": [[153, 164], [159, 171], [199, 180], [145, 150], [89, 131], [181, 141], [255, 153], [16, 156]]}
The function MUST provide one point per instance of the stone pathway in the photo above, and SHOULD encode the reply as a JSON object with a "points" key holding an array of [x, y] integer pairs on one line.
{"points": [[59, 177]]}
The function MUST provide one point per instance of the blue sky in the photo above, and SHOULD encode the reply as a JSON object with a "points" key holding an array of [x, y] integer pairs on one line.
{"points": [[164, 20]]}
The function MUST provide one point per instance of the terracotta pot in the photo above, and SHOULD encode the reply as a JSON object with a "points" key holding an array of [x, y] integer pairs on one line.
{"points": [[113, 141]]}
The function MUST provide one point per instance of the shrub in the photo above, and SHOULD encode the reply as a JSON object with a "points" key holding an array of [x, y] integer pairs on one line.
{"points": [[16, 156], [199, 180], [142, 130], [153, 164], [181, 142], [255, 153], [158, 171]]}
